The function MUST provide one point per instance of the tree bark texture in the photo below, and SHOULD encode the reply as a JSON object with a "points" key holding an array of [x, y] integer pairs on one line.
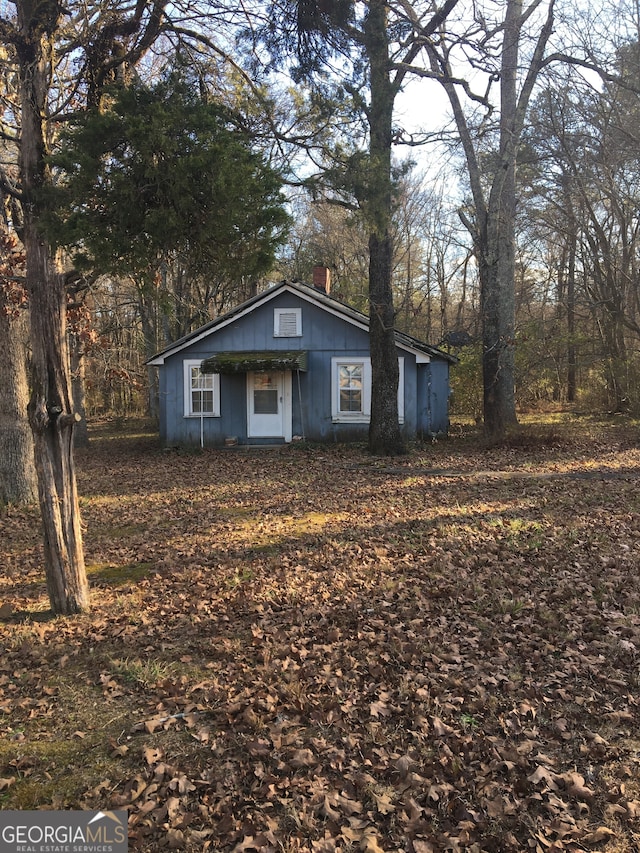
{"points": [[497, 306], [149, 318], [18, 482], [498, 270], [616, 362], [572, 370], [50, 408], [385, 437], [81, 432], [53, 421]]}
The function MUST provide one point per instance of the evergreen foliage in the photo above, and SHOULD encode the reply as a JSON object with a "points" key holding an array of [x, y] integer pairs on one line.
{"points": [[162, 172]]}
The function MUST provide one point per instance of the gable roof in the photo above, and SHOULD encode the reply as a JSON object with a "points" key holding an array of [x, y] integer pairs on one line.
{"points": [[310, 294]]}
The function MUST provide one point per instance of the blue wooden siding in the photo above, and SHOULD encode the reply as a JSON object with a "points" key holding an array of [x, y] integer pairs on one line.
{"points": [[433, 398], [324, 336]]}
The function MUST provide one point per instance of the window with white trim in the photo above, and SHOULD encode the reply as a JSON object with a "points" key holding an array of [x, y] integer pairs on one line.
{"points": [[287, 322], [351, 390], [201, 391]]}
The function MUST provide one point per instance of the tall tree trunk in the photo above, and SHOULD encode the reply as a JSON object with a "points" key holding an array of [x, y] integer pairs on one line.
{"points": [[497, 362], [491, 222], [52, 422], [567, 286], [572, 379], [385, 437], [615, 360], [497, 308], [50, 408], [81, 432], [149, 320], [18, 482], [497, 283]]}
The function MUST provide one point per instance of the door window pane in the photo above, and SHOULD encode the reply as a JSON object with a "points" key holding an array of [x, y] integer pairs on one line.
{"points": [[265, 395]]}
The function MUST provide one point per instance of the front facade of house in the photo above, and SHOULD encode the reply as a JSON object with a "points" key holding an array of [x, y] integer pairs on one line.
{"points": [[290, 363]]}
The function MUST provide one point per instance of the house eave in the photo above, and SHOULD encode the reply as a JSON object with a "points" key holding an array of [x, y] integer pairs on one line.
{"points": [[424, 353]]}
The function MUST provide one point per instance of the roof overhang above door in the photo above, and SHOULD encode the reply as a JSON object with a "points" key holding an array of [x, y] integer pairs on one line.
{"points": [[255, 361]]}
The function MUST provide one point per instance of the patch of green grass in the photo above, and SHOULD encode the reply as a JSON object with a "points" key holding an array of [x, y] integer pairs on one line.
{"points": [[245, 574], [468, 721], [236, 511], [269, 538], [520, 533], [143, 672], [118, 575], [61, 770], [526, 534], [117, 428], [41, 769], [511, 606]]}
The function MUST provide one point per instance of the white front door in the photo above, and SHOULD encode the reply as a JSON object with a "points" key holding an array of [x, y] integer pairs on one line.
{"points": [[269, 405]]}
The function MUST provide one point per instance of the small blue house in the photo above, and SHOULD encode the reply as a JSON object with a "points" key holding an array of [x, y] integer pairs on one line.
{"points": [[291, 363]]}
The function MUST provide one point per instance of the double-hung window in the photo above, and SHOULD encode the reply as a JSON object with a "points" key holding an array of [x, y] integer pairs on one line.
{"points": [[351, 390], [201, 391]]}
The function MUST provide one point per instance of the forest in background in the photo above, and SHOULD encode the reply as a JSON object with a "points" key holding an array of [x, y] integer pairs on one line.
{"points": [[576, 284]]}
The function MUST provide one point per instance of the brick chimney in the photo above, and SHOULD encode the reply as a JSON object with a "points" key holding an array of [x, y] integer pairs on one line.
{"points": [[322, 279]]}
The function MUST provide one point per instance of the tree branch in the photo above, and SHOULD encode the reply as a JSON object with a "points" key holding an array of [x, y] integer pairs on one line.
{"points": [[589, 65], [424, 33], [8, 187]]}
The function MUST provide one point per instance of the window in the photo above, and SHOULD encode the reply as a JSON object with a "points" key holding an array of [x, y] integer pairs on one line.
{"points": [[350, 387], [351, 390], [201, 391], [287, 322]]}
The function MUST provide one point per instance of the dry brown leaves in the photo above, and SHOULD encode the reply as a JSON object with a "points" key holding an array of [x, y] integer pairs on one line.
{"points": [[307, 649]]}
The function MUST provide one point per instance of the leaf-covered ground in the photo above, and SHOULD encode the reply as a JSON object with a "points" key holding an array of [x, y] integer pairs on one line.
{"points": [[308, 649]]}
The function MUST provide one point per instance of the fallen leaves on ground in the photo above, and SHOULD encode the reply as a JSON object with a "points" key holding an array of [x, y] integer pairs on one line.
{"points": [[307, 649]]}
